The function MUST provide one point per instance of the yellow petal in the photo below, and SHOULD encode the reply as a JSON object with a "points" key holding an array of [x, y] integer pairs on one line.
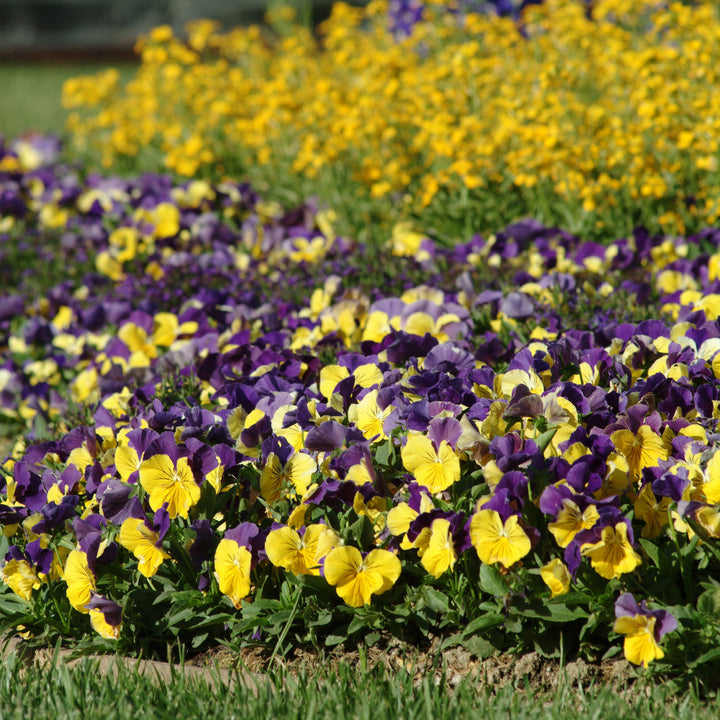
{"points": [[80, 580], [330, 376], [556, 576], [342, 565], [287, 549], [399, 519], [439, 556], [232, 569], [496, 541]]}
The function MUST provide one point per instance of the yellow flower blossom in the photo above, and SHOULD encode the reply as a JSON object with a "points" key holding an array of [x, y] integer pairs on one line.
{"points": [[498, 541], [356, 578]]}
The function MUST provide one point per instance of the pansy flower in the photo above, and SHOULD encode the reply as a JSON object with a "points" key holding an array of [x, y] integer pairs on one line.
{"points": [[643, 629], [365, 376], [284, 424], [295, 551], [331, 435], [130, 451], [105, 616], [168, 478], [144, 540], [286, 472], [652, 510], [234, 560], [368, 502], [89, 532], [609, 545], [137, 336], [639, 439], [573, 513], [210, 462], [356, 577], [498, 539], [19, 574], [440, 537], [435, 467], [253, 428], [556, 576], [369, 416], [402, 514], [200, 549]]}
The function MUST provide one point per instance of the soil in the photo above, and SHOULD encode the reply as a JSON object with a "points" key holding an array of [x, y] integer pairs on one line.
{"points": [[531, 672]]}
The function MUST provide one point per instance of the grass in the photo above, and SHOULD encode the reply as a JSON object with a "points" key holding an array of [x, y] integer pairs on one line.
{"points": [[57, 690], [31, 94]]}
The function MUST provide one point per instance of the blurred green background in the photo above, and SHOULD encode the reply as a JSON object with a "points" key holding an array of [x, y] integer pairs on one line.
{"points": [[31, 93], [44, 42]]}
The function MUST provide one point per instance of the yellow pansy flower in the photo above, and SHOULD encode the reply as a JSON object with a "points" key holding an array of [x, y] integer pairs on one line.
{"points": [[357, 578], [498, 541]]}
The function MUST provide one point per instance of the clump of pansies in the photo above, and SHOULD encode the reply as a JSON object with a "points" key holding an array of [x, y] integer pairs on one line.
{"points": [[192, 432]]}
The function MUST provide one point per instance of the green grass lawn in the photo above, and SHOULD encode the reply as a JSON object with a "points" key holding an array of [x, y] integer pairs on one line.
{"points": [[83, 691], [31, 94]]}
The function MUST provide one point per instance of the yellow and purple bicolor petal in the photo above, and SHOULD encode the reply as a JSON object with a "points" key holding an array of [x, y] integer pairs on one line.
{"points": [[612, 555], [643, 629], [641, 449], [19, 574], [570, 520], [556, 576], [291, 476], [438, 554], [143, 542], [105, 617]]}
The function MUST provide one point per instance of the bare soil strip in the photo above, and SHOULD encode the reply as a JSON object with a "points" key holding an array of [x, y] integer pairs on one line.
{"points": [[531, 672]]}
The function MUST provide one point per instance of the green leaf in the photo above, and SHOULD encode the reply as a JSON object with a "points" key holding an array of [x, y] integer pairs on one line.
{"points": [[384, 452], [318, 585], [709, 543], [435, 600], [479, 646], [709, 656], [199, 640], [491, 581], [183, 615], [709, 603], [322, 618], [554, 612], [362, 531], [574, 597], [484, 622], [652, 550], [357, 623], [332, 640], [543, 440]]}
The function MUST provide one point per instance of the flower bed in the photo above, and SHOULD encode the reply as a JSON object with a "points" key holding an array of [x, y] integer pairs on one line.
{"points": [[241, 427], [595, 116]]}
